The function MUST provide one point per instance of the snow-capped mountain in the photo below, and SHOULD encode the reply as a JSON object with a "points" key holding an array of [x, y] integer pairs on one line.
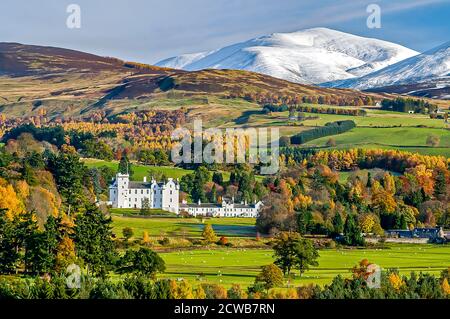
{"points": [[428, 66], [309, 56]]}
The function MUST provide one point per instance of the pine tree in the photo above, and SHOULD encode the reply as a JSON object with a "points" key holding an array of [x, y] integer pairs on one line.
{"points": [[125, 166], [338, 224], [440, 184], [42, 248], [93, 240], [352, 233], [9, 246]]}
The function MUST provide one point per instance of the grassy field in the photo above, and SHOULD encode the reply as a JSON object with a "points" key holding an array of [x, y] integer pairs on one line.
{"points": [[403, 138], [192, 227], [240, 266], [379, 129], [378, 118], [140, 171]]}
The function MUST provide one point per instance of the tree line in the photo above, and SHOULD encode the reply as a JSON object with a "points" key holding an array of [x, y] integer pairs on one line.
{"points": [[331, 128]]}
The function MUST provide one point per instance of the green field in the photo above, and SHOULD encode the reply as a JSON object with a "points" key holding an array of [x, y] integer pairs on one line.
{"points": [[140, 171], [240, 266], [403, 138], [379, 129], [378, 118], [192, 227]]}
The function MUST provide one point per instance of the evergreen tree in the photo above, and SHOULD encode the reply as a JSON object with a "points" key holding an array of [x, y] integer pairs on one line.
{"points": [[440, 185], [217, 178], [125, 166], [93, 240], [213, 194], [338, 224], [352, 233], [304, 219], [42, 248], [369, 180], [9, 245], [69, 172], [145, 208]]}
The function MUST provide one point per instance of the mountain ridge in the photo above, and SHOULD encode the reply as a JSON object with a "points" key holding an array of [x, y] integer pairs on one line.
{"points": [[309, 56], [433, 65]]}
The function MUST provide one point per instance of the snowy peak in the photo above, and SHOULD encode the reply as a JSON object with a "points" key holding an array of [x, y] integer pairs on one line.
{"points": [[308, 56], [430, 65]]}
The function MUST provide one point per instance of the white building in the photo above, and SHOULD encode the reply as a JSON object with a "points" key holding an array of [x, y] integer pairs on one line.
{"points": [[124, 193], [227, 209]]}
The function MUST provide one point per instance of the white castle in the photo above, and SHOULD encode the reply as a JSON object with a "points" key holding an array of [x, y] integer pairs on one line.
{"points": [[124, 193]]}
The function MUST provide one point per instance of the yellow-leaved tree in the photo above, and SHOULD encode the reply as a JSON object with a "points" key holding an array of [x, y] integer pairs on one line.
{"points": [[9, 200]]}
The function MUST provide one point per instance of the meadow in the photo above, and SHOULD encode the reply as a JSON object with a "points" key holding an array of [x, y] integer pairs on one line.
{"points": [[240, 266], [378, 129], [180, 227], [404, 138]]}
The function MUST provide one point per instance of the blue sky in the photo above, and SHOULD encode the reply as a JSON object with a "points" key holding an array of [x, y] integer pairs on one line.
{"points": [[148, 30]]}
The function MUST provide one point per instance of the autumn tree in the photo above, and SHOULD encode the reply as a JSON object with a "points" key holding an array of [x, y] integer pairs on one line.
{"points": [[208, 234], [271, 276]]}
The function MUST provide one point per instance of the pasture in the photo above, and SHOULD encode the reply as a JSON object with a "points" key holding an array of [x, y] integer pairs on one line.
{"points": [[240, 266], [404, 138], [180, 227]]}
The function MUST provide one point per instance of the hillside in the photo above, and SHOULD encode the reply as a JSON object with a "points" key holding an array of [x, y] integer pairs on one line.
{"points": [[429, 67], [68, 83], [308, 56]]}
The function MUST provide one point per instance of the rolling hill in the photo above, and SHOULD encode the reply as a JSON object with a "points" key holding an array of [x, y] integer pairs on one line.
{"points": [[70, 83]]}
